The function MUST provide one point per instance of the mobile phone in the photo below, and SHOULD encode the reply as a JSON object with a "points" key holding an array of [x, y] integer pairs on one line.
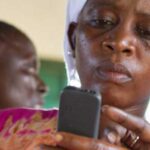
{"points": [[79, 112]]}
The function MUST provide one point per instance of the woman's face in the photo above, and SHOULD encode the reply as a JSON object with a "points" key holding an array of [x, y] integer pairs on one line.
{"points": [[112, 50]]}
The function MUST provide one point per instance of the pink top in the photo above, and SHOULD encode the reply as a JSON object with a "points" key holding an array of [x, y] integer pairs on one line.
{"points": [[21, 128]]}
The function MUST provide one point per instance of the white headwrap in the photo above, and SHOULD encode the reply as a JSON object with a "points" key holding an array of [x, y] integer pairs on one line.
{"points": [[73, 10]]}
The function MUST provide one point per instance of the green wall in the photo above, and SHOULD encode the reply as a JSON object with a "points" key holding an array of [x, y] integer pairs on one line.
{"points": [[54, 75]]}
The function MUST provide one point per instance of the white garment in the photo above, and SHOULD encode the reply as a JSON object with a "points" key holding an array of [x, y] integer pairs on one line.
{"points": [[147, 113], [73, 10]]}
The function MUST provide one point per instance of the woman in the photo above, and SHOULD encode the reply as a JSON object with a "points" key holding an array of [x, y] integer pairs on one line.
{"points": [[108, 44]]}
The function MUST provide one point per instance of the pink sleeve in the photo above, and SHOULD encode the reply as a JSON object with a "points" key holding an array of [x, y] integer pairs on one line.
{"points": [[21, 125]]}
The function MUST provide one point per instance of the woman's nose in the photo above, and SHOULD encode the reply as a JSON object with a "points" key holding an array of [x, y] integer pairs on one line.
{"points": [[122, 47], [121, 42], [41, 87]]}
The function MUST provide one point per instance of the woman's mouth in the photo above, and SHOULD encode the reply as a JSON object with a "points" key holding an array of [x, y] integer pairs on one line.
{"points": [[114, 73]]}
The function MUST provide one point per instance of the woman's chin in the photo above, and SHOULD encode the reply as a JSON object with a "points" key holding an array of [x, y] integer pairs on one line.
{"points": [[114, 99]]}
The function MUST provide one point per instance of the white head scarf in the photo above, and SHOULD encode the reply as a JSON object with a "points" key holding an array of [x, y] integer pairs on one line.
{"points": [[73, 10]]}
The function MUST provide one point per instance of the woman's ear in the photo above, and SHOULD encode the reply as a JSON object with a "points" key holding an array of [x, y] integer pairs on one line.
{"points": [[72, 36]]}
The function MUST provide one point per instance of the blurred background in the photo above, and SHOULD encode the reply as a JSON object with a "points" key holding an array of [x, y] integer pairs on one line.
{"points": [[44, 22]]}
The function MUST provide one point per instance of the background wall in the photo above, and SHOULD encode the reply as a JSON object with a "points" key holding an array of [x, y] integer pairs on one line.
{"points": [[42, 20], [54, 75]]}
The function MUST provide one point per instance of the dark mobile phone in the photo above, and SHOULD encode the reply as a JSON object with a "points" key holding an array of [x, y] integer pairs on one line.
{"points": [[79, 112]]}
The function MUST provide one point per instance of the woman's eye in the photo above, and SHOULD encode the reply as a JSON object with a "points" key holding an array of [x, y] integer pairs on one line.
{"points": [[143, 32], [29, 71], [102, 23]]}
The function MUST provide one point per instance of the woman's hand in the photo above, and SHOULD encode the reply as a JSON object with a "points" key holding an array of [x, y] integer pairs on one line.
{"points": [[137, 136], [75, 142]]}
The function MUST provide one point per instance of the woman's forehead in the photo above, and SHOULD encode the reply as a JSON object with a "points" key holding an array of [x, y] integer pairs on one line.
{"points": [[142, 6]]}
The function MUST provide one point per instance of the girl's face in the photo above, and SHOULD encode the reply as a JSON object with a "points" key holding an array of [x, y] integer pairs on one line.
{"points": [[111, 44], [20, 84]]}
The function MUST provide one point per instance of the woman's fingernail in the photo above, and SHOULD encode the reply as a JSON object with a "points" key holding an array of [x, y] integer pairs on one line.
{"points": [[104, 108], [58, 138], [111, 137]]}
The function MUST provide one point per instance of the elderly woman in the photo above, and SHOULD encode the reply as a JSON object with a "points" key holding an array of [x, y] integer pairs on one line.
{"points": [[107, 45]]}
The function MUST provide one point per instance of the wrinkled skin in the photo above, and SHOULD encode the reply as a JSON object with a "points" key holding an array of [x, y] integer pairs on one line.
{"points": [[20, 84], [111, 47]]}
